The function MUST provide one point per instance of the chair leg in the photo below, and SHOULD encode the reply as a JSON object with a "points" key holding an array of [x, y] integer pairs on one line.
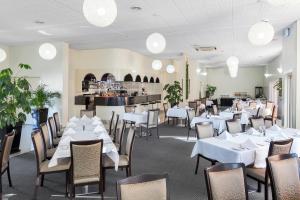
{"points": [[258, 187], [157, 132], [127, 172], [188, 135], [141, 133], [8, 176], [103, 179], [42, 180], [266, 192], [197, 164], [67, 184]]}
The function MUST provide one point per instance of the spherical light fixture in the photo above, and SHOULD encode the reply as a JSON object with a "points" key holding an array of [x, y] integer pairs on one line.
{"points": [[198, 70], [47, 51], [156, 43], [100, 13], [283, 2], [156, 64], [3, 55], [233, 66], [170, 69], [261, 33]]}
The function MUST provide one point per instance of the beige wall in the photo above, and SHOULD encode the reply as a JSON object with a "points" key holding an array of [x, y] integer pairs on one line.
{"points": [[119, 62], [247, 79]]}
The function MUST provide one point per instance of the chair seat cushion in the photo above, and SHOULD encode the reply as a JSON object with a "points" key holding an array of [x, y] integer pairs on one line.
{"points": [[50, 152], [63, 165], [89, 179], [56, 141], [123, 161], [257, 173], [150, 125]]}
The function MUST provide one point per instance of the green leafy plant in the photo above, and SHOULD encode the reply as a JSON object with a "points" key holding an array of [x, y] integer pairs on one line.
{"points": [[41, 97], [278, 86], [210, 90], [174, 93], [14, 96]]}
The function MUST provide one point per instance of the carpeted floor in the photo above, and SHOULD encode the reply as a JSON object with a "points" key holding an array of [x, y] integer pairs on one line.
{"points": [[169, 154]]}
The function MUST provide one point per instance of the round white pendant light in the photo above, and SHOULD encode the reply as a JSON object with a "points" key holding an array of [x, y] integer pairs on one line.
{"points": [[3, 55], [233, 66], [100, 13], [261, 33], [170, 69], [47, 51], [156, 64], [156, 43]]}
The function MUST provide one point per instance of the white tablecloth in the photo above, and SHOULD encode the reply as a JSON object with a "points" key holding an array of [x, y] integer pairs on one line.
{"points": [[245, 114], [63, 148], [218, 122], [138, 118], [177, 112], [227, 151], [209, 102]]}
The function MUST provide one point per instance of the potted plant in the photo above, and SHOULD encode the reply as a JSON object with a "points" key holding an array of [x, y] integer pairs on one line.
{"points": [[210, 91], [174, 93], [14, 103], [41, 100], [278, 86]]}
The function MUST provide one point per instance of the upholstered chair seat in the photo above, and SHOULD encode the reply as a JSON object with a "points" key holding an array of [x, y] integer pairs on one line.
{"points": [[87, 179], [62, 166], [123, 161], [50, 152]]}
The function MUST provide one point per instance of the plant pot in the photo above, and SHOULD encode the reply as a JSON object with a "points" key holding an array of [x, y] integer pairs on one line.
{"points": [[40, 116], [18, 130]]}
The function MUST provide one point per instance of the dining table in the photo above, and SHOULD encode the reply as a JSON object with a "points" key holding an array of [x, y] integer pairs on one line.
{"points": [[231, 150], [81, 129]]}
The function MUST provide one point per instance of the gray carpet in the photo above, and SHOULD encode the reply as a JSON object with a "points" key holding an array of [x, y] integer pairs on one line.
{"points": [[169, 154]]}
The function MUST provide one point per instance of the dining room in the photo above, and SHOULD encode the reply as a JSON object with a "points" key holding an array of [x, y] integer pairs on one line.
{"points": [[150, 99]]}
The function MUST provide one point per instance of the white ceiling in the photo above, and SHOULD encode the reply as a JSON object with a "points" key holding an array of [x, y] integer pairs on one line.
{"points": [[183, 22]]}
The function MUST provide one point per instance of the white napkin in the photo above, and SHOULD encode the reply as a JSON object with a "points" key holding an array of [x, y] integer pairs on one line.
{"points": [[175, 106], [275, 128], [225, 135], [98, 129], [249, 144], [71, 125], [74, 119], [95, 123], [84, 118], [69, 131], [253, 131], [96, 118]]}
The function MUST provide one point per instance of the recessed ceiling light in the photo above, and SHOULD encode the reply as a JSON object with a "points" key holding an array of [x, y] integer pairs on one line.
{"points": [[44, 32], [39, 22], [135, 8]]}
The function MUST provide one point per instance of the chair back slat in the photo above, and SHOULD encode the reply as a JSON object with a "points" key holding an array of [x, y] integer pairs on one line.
{"points": [[52, 125], [39, 146], [45, 134], [57, 121], [129, 142], [111, 123]]}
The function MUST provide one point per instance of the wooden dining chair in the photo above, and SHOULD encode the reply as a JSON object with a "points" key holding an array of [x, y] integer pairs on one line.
{"points": [[58, 125], [87, 164], [4, 157], [257, 122], [119, 137], [116, 128], [215, 109], [193, 105], [144, 187], [42, 163], [284, 176], [54, 138], [226, 182], [233, 126], [273, 117], [190, 115], [166, 107], [124, 159], [88, 113], [204, 130], [260, 174], [49, 149], [111, 121], [152, 123]]}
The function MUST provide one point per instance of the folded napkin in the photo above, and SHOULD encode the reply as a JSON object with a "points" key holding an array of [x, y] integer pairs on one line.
{"points": [[84, 118], [71, 125], [260, 157], [253, 131], [225, 135], [275, 128], [99, 129], [74, 119], [69, 131], [249, 144], [95, 118]]}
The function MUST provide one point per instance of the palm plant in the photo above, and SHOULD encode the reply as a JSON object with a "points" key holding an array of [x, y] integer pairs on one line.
{"points": [[41, 97]]}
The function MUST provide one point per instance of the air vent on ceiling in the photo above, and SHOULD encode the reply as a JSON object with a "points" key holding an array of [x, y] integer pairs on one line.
{"points": [[204, 48]]}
